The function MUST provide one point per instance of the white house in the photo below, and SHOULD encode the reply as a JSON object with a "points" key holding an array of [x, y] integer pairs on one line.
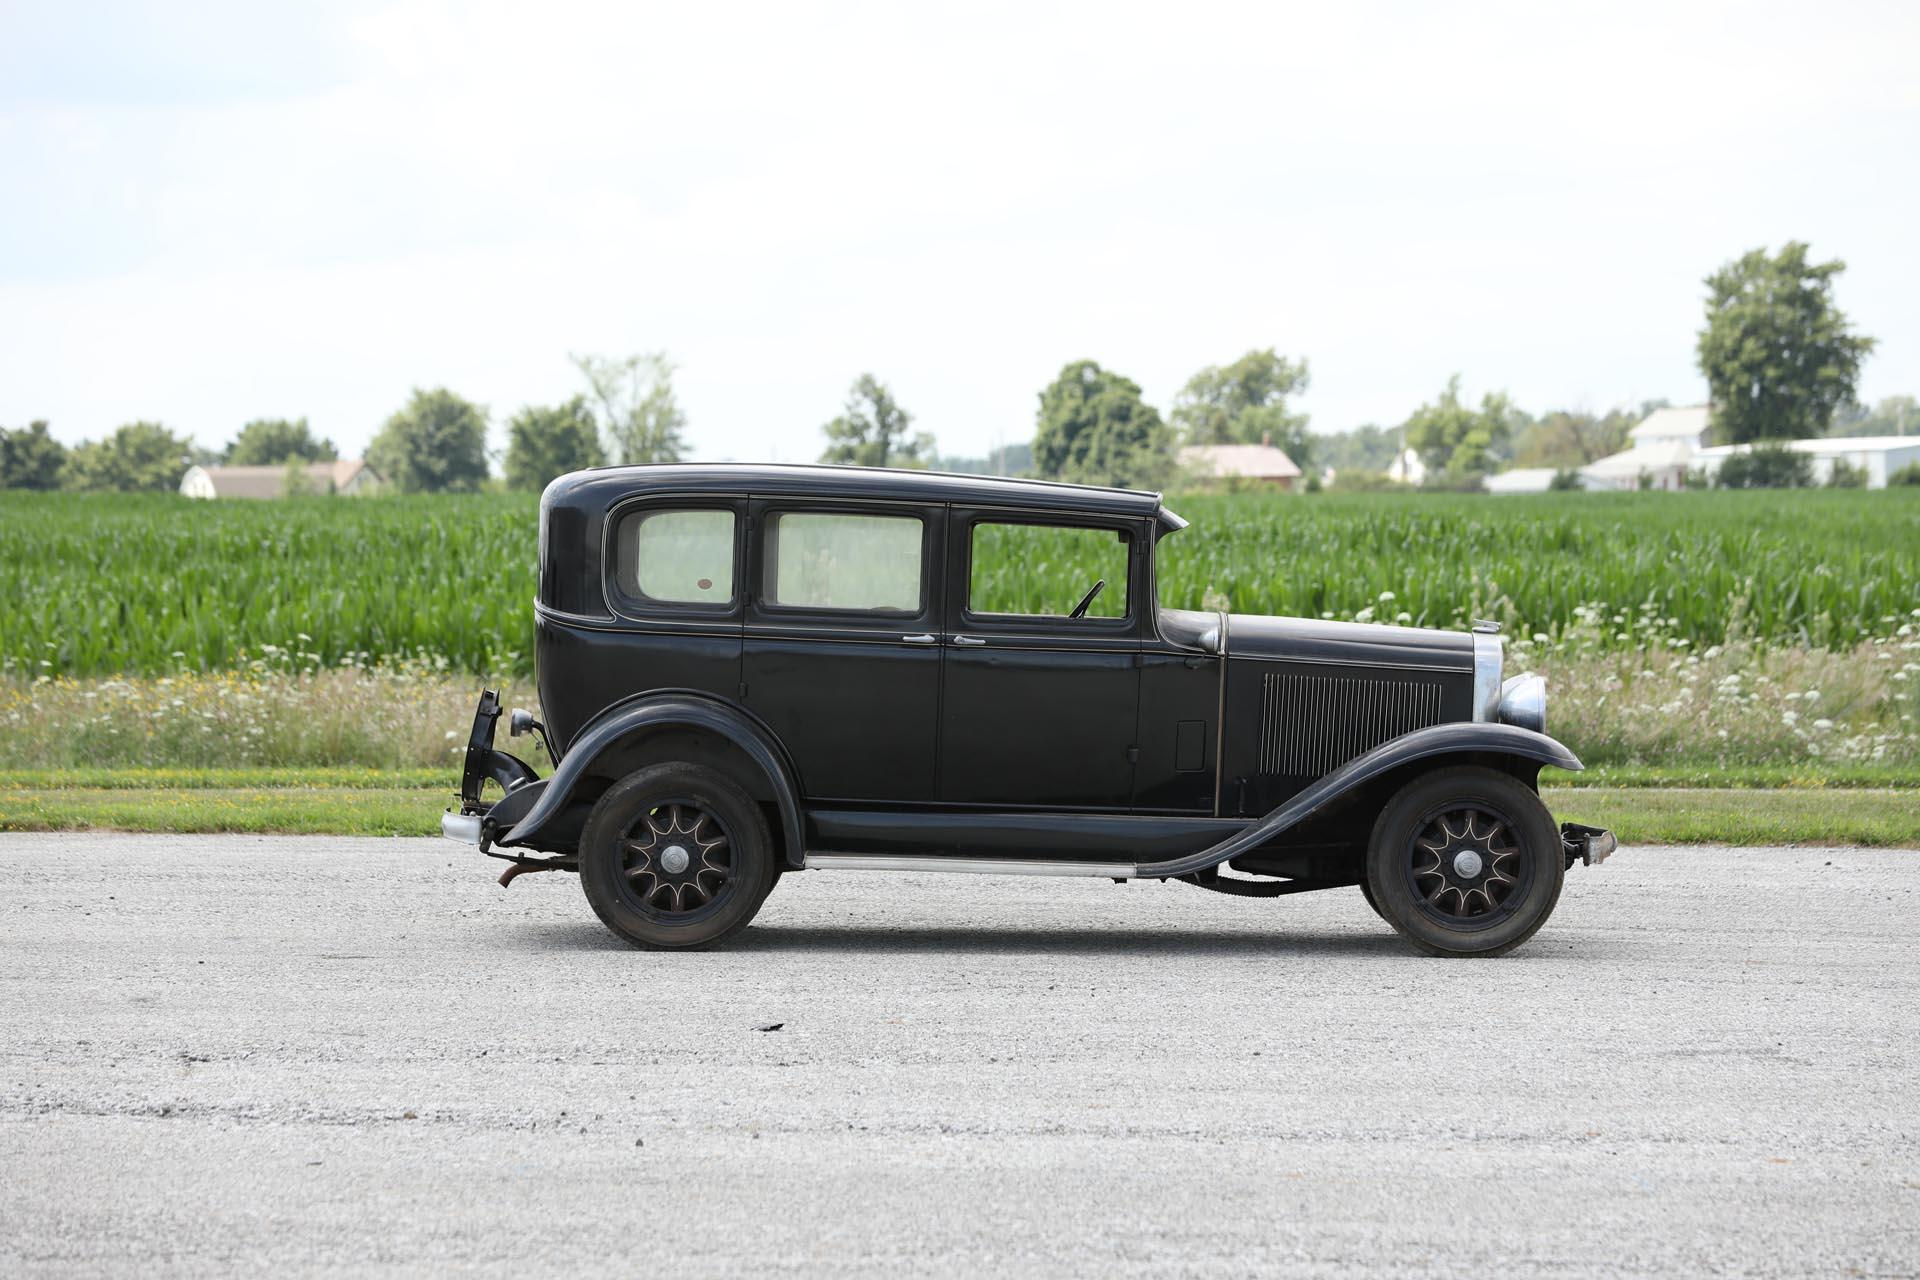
{"points": [[1407, 468], [1877, 456], [1261, 464], [1662, 448], [347, 476]]}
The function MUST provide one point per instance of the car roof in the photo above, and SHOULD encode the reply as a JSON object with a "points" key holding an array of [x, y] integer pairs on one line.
{"points": [[603, 486]]}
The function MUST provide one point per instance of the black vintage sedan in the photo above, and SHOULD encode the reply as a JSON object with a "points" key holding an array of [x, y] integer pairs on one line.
{"points": [[750, 670]]}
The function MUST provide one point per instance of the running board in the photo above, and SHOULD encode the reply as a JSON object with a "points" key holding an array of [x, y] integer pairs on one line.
{"points": [[970, 866]]}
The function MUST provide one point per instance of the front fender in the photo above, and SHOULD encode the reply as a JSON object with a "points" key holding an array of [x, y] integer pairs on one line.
{"points": [[660, 711], [1460, 738]]}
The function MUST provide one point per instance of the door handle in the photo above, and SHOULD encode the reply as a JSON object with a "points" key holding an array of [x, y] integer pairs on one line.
{"points": [[968, 640], [923, 638]]}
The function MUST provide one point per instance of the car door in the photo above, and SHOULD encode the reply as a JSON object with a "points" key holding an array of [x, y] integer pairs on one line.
{"points": [[842, 655], [1039, 708]]}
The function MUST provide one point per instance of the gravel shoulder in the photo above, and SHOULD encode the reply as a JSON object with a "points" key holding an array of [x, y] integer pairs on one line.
{"points": [[238, 1053]]}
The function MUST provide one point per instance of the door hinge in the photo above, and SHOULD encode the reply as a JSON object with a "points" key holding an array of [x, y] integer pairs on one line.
{"points": [[1133, 755], [743, 688]]}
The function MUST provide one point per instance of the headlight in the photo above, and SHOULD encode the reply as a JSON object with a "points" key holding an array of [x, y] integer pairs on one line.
{"points": [[1523, 702]]}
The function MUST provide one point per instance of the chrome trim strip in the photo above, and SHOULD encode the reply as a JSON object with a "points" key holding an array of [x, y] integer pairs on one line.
{"points": [[1488, 658], [464, 827], [1362, 661], [1220, 718], [967, 866]]}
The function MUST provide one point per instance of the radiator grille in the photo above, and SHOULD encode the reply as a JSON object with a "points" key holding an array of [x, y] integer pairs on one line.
{"points": [[1311, 725]]}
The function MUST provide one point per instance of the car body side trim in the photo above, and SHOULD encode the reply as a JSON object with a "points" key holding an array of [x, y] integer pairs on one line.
{"points": [[971, 866]]}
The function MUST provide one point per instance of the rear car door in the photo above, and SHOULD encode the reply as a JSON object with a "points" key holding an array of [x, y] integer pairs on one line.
{"points": [[842, 654], [1039, 708]]}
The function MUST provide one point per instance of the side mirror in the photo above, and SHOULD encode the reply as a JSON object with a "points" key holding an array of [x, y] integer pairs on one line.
{"points": [[520, 722]]}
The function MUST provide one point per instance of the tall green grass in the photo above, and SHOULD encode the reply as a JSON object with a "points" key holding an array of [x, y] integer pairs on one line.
{"points": [[100, 584]]}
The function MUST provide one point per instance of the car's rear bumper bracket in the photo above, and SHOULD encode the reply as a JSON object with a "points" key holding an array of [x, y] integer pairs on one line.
{"points": [[1586, 845]]}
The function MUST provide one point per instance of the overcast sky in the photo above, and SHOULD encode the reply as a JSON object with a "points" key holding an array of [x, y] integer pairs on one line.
{"points": [[214, 212]]}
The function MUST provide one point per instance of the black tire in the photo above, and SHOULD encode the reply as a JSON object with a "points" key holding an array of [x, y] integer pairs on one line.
{"points": [[676, 856], [1366, 891], [1465, 862]]}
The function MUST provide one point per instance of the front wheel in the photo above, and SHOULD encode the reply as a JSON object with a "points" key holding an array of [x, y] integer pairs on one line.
{"points": [[676, 855], [1465, 862]]}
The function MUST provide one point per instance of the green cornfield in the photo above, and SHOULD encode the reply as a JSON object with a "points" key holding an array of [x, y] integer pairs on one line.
{"points": [[147, 584]]}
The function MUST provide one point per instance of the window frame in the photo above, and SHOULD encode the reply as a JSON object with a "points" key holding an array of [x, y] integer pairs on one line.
{"points": [[763, 557], [647, 608], [1125, 627]]}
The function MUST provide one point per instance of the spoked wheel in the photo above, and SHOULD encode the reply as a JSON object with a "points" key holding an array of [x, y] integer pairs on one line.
{"points": [[678, 859], [1466, 865], [1465, 861], [676, 855]]}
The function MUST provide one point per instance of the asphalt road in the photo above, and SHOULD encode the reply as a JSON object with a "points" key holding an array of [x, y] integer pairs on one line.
{"points": [[243, 1053]]}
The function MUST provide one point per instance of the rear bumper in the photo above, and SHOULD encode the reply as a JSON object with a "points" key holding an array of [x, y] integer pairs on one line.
{"points": [[1586, 845]]}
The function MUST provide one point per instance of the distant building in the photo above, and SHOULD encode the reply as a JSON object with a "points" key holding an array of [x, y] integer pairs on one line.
{"points": [[1259, 464], [347, 476], [1877, 456], [1522, 480], [1663, 449], [1407, 468]]}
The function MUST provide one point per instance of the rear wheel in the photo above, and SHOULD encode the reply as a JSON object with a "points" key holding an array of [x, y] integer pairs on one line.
{"points": [[676, 855], [1465, 862]]}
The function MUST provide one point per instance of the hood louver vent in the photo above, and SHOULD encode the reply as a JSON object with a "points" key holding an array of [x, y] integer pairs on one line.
{"points": [[1311, 725]]}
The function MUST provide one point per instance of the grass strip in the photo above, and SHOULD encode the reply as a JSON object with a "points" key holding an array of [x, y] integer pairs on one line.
{"points": [[1638, 815]]}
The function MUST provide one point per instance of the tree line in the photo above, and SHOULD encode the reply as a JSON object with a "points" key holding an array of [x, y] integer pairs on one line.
{"points": [[1780, 359]]}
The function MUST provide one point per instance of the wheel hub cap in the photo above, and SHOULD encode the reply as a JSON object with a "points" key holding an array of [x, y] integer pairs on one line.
{"points": [[674, 861], [1466, 864]]}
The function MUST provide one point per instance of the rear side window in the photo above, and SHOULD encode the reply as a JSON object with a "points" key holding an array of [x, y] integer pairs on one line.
{"points": [[1044, 571], [677, 557], [841, 561]]}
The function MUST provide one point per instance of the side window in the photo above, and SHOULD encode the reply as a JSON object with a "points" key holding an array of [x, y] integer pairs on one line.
{"points": [[1044, 571], [844, 561], [676, 557]]}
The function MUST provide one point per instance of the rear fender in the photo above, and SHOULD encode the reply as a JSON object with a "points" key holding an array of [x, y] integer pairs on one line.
{"points": [[652, 713], [1433, 746]]}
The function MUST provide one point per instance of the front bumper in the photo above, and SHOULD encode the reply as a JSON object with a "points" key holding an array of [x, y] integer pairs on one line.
{"points": [[464, 827]]}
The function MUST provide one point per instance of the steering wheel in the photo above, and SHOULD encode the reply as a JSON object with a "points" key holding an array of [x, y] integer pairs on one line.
{"points": [[1086, 601]]}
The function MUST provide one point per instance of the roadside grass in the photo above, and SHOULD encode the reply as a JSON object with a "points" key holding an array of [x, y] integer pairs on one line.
{"points": [[1662, 809]]}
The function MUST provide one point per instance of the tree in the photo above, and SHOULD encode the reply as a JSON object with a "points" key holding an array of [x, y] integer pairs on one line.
{"points": [[1768, 465], [1564, 438], [1365, 448], [267, 442], [1778, 354], [1094, 427], [641, 419], [294, 480], [1458, 443], [437, 442], [871, 430], [30, 458], [543, 443], [1246, 403], [137, 457], [1893, 416]]}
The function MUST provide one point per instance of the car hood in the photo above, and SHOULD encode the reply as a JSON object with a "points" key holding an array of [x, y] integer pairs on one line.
{"points": [[1358, 643]]}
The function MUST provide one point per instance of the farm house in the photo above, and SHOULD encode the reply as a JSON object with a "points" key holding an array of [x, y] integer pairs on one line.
{"points": [[347, 476], [1255, 465]]}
